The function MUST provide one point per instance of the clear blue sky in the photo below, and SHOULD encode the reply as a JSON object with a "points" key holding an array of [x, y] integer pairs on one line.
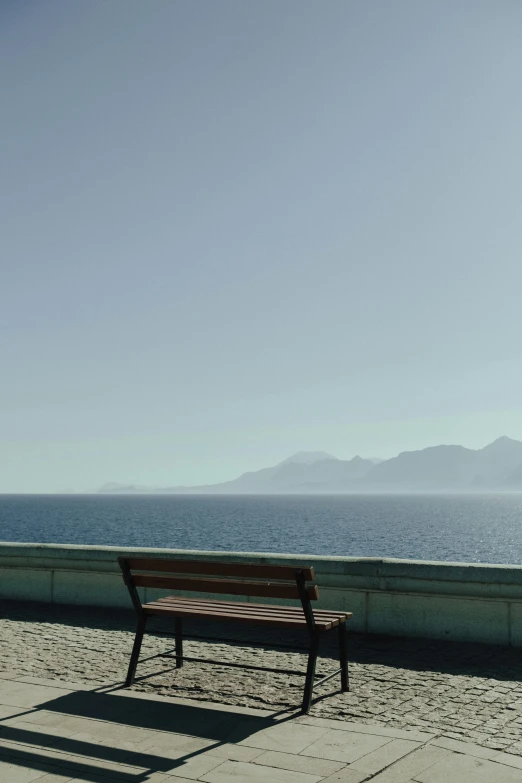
{"points": [[231, 230]]}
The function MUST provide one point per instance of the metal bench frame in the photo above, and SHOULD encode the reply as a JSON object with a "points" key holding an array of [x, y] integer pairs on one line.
{"points": [[301, 591]]}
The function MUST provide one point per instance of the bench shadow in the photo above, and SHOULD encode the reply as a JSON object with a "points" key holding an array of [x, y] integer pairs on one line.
{"points": [[121, 706], [195, 730]]}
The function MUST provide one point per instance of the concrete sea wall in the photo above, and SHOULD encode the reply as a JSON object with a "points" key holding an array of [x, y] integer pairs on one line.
{"points": [[459, 601]]}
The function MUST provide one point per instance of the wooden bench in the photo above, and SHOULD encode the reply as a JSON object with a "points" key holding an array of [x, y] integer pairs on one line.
{"points": [[238, 579]]}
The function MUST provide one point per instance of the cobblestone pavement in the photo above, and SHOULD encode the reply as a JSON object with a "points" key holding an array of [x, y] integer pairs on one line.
{"points": [[470, 692]]}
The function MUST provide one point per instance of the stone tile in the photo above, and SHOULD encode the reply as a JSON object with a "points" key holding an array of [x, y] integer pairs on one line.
{"points": [[165, 718], [14, 730], [9, 712], [55, 683], [58, 776], [104, 747], [195, 767], [509, 759], [20, 750], [30, 756], [154, 777], [21, 694], [344, 746], [298, 763], [231, 771], [346, 775], [89, 765], [384, 756], [264, 714], [468, 769], [158, 777], [163, 758], [210, 707], [230, 752], [40, 717], [365, 728], [287, 737], [108, 751], [67, 724], [468, 748], [104, 730], [11, 772], [170, 739], [407, 768]]}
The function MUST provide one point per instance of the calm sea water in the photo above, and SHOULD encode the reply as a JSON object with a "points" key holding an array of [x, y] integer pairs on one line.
{"points": [[473, 528]]}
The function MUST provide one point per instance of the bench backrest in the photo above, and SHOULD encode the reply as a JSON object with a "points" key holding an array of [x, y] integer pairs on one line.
{"points": [[207, 576]]}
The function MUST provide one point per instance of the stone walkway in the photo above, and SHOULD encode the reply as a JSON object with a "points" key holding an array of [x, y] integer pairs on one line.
{"points": [[456, 691], [54, 732]]}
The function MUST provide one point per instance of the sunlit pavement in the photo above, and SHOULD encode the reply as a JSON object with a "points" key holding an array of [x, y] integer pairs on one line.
{"points": [[54, 731]]}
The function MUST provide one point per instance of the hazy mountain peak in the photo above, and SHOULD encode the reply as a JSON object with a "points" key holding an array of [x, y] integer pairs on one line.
{"points": [[502, 443], [307, 457], [436, 468], [115, 487]]}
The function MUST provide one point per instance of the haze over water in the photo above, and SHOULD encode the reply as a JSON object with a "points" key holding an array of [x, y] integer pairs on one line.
{"points": [[467, 528]]}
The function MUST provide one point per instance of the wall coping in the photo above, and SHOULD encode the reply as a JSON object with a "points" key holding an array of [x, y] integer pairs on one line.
{"points": [[67, 556]]}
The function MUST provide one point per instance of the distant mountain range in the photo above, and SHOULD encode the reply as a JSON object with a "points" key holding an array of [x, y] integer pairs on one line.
{"points": [[497, 466]]}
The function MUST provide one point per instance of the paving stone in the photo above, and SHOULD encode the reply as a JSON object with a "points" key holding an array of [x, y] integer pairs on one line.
{"points": [[287, 737], [346, 775], [407, 768], [508, 759], [298, 763], [195, 767], [154, 777], [382, 757], [15, 730], [230, 752], [30, 755], [9, 712], [54, 683], [88, 766], [161, 740], [11, 772], [22, 750], [345, 746], [468, 769], [241, 772], [20, 694], [109, 751], [165, 759], [50, 775], [467, 748]]}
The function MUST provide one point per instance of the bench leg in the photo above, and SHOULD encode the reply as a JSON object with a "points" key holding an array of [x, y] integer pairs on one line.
{"points": [[140, 630], [179, 642], [343, 657], [310, 674]]}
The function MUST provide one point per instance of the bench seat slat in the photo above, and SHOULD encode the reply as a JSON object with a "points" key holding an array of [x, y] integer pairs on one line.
{"points": [[249, 607], [247, 610], [272, 615], [223, 586], [221, 614], [216, 568]]}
